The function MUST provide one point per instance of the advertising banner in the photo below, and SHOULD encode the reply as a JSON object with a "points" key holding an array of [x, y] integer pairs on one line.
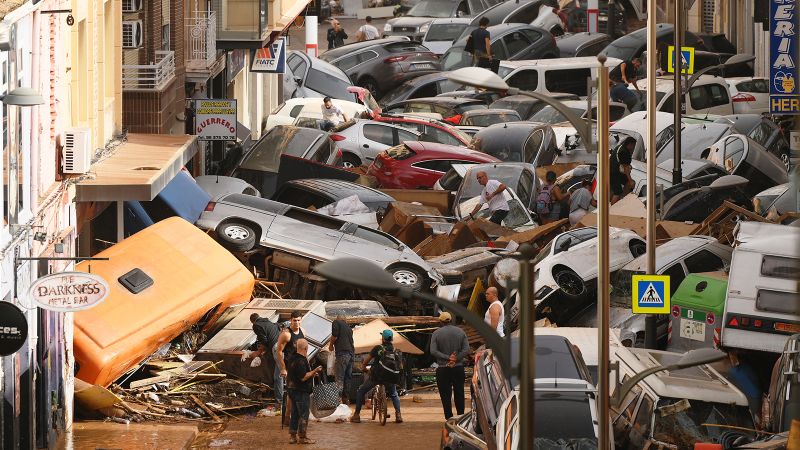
{"points": [[784, 96], [270, 59], [215, 119]]}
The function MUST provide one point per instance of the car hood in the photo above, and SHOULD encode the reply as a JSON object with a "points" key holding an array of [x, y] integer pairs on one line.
{"points": [[407, 21]]}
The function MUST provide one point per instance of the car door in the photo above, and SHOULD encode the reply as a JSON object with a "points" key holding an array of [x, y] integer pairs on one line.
{"points": [[499, 50], [363, 242], [305, 233], [374, 138], [525, 79], [712, 98], [517, 45]]}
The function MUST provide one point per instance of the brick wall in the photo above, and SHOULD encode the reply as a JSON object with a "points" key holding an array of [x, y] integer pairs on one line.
{"points": [[150, 111]]}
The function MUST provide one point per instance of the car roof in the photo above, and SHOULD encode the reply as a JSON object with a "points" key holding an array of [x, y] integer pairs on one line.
{"points": [[672, 250], [694, 383], [500, 11], [637, 122], [744, 123], [513, 129], [488, 112], [526, 99], [689, 166], [574, 40], [444, 100], [324, 66], [340, 188], [768, 238], [443, 20], [430, 149], [559, 62], [554, 358], [347, 49], [667, 84]]}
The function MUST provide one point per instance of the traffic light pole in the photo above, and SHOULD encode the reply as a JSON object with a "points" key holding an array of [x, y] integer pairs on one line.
{"points": [[677, 175]]}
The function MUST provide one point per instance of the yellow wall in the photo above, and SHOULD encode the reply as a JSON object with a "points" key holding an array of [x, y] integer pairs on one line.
{"points": [[96, 68]]}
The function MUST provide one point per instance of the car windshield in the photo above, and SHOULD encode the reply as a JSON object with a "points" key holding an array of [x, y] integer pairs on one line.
{"points": [[694, 139], [508, 175], [693, 421], [456, 58], [765, 199], [431, 8], [625, 47], [622, 286], [266, 153], [516, 214], [543, 253], [328, 85], [484, 120], [444, 31], [548, 114], [552, 426]]}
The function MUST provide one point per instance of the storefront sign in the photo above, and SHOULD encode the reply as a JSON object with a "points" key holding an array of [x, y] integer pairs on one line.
{"points": [[69, 291], [215, 119], [270, 59], [784, 96], [13, 329]]}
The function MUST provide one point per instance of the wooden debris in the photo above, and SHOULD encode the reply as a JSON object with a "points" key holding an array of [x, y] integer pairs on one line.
{"points": [[149, 381], [397, 320], [205, 408]]}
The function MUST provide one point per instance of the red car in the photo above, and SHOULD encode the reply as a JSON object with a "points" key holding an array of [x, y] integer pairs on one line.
{"points": [[418, 164]]}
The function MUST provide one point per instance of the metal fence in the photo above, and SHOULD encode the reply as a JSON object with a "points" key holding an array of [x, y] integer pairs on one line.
{"points": [[150, 76], [201, 40]]}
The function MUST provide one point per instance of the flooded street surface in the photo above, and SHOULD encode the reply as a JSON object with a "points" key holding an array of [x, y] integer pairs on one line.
{"points": [[421, 429], [112, 436]]}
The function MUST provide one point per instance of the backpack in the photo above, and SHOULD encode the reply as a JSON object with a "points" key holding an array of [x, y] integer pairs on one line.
{"points": [[389, 366], [469, 47], [543, 200]]}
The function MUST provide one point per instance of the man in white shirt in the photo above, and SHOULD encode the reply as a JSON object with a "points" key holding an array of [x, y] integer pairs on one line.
{"points": [[332, 115], [493, 195], [367, 32]]}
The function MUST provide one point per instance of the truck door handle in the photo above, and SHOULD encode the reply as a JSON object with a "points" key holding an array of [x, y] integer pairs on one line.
{"points": [[366, 146]]}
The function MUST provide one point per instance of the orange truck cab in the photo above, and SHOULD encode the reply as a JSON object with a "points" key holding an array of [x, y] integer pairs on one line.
{"points": [[162, 280]]}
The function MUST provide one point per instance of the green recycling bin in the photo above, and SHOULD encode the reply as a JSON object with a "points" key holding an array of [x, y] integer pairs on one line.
{"points": [[696, 312]]}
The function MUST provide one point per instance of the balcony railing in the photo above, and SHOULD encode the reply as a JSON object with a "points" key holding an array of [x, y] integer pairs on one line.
{"points": [[201, 40], [153, 76]]}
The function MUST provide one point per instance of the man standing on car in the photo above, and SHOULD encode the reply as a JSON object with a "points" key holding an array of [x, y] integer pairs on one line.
{"points": [[300, 385], [481, 45], [342, 342], [449, 345], [621, 76], [371, 379], [332, 115], [367, 32], [267, 333], [492, 194]]}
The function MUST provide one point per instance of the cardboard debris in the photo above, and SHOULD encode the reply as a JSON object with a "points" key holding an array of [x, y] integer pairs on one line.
{"points": [[488, 228], [629, 206], [368, 336], [559, 169], [400, 214], [540, 235], [93, 397], [665, 230], [442, 201], [414, 232], [460, 237]]}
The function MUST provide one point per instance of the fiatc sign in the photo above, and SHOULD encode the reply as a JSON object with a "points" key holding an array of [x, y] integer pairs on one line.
{"points": [[69, 291], [270, 59], [784, 96], [215, 119]]}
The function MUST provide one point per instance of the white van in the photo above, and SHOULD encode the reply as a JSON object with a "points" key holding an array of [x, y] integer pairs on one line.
{"points": [[708, 95], [547, 76], [762, 309]]}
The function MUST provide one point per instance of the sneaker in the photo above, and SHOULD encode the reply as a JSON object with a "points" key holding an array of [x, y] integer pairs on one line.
{"points": [[397, 417], [305, 440], [355, 418], [292, 439]]}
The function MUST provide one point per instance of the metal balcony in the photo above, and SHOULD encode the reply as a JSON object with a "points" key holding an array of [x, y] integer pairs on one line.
{"points": [[201, 41], [155, 76]]}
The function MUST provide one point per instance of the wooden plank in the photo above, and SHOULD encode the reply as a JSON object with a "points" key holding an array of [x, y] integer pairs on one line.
{"points": [[148, 381], [397, 320], [205, 408]]}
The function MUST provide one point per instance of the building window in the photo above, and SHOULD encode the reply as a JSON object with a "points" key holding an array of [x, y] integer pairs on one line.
{"points": [[165, 38], [4, 130]]}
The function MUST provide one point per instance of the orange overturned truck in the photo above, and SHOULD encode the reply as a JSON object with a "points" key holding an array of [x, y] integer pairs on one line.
{"points": [[163, 280]]}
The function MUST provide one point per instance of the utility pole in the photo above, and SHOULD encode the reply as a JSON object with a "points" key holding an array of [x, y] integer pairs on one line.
{"points": [[592, 16], [312, 45], [677, 175], [650, 319]]}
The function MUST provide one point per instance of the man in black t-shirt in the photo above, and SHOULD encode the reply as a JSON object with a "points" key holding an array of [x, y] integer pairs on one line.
{"points": [[620, 171], [299, 384], [621, 76], [342, 344], [267, 333], [481, 45]]}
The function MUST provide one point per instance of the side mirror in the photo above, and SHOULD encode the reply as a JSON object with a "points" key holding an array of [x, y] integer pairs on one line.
{"points": [[299, 81], [565, 245]]}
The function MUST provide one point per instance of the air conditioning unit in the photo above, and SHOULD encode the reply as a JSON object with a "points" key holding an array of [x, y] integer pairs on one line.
{"points": [[132, 34], [130, 6], [77, 153]]}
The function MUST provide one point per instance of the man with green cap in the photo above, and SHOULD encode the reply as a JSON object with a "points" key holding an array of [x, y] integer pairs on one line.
{"points": [[386, 363]]}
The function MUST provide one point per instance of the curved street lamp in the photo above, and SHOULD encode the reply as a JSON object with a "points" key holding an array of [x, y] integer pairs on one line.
{"points": [[479, 77], [367, 275]]}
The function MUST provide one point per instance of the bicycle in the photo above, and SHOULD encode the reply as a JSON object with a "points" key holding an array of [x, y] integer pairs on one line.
{"points": [[379, 403]]}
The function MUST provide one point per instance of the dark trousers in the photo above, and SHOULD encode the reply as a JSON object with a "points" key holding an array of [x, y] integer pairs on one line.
{"points": [[300, 409], [343, 370], [498, 216], [450, 381]]}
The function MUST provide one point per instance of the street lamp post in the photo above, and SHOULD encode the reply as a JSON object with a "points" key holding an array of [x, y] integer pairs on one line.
{"points": [[650, 319], [677, 176]]}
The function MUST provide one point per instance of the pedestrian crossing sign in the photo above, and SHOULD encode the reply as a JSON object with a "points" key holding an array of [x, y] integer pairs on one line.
{"points": [[687, 60], [650, 294]]}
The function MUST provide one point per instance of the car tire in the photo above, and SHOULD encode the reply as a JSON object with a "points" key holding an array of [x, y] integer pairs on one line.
{"points": [[638, 248], [236, 236], [569, 282], [409, 276], [371, 85], [350, 161]]}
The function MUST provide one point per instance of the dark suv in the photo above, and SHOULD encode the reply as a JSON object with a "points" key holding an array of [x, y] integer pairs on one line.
{"points": [[380, 65]]}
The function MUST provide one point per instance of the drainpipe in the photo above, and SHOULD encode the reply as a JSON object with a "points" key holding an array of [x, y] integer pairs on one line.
{"points": [[35, 162]]}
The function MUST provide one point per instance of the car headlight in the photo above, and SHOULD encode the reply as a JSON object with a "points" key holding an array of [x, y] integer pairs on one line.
{"points": [[387, 27], [424, 29]]}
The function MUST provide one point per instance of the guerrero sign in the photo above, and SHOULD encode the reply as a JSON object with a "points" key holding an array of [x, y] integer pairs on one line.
{"points": [[69, 291], [784, 96], [13, 329], [270, 59], [215, 119]]}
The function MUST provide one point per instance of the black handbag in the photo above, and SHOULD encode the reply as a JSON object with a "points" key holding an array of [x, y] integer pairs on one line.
{"points": [[325, 398]]}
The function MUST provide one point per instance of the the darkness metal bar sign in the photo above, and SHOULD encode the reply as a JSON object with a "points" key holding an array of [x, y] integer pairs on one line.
{"points": [[784, 95]]}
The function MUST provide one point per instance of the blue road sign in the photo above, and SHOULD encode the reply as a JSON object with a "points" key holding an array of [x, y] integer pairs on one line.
{"points": [[650, 294]]}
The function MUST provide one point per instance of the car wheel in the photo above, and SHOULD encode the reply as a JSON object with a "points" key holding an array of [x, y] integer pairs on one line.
{"points": [[786, 160], [569, 282], [371, 85], [236, 236], [638, 248], [350, 161], [408, 276]]}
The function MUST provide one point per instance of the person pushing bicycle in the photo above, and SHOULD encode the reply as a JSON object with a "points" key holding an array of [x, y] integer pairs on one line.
{"points": [[385, 370]]}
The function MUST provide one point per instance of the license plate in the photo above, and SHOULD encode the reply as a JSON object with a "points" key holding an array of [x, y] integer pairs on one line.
{"points": [[692, 329], [421, 66]]}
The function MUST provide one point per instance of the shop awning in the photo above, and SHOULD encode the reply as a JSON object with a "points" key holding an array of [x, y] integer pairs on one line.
{"points": [[138, 169], [284, 12]]}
